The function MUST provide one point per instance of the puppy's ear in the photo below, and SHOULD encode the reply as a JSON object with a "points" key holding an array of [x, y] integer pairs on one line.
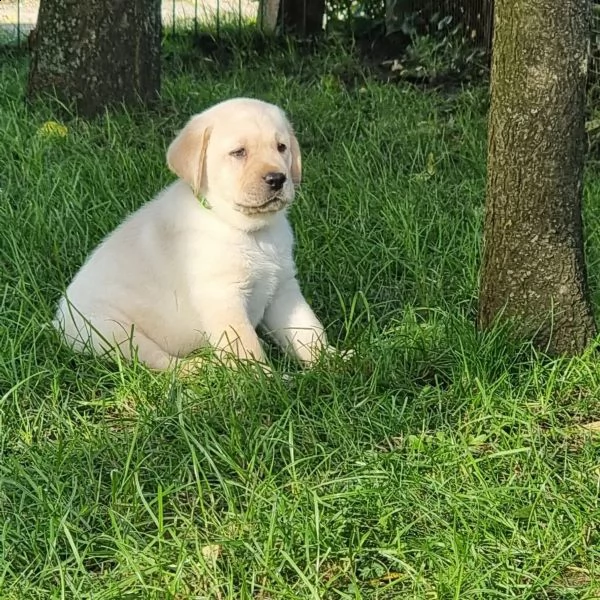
{"points": [[296, 158], [186, 153]]}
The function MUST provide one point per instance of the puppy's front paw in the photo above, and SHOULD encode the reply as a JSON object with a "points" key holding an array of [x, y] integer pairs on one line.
{"points": [[343, 354], [325, 352], [266, 369], [190, 367]]}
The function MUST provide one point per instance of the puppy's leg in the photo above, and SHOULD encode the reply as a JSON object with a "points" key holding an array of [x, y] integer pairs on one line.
{"points": [[105, 336], [148, 352], [229, 331], [293, 324]]}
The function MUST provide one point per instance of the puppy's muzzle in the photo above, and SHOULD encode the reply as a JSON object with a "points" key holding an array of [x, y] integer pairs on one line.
{"points": [[275, 180], [267, 198]]}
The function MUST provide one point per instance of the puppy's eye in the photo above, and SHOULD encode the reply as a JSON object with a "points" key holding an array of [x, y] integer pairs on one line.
{"points": [[281, 148], [239, 153]]}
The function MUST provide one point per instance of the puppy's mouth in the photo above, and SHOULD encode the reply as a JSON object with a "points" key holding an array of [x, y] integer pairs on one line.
{"points": [[271, 205]]}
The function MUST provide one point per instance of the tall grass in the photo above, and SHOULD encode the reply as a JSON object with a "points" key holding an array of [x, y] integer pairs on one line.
{"points": [[438, 463]]}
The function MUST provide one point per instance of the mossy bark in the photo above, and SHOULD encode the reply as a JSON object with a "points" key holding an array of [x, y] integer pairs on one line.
{"points": [[96, 54], [533, 260]]}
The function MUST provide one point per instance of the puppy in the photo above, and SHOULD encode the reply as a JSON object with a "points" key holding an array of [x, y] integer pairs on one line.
{"points": [[209, 259]]}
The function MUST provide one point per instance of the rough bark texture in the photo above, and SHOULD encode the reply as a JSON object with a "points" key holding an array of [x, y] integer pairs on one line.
{"points": [[268, 11], [96, 54], [303, 17], [533, 262]]}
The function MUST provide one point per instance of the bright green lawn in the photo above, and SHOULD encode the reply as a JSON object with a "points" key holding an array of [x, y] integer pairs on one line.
{"points": [[438, 464]]}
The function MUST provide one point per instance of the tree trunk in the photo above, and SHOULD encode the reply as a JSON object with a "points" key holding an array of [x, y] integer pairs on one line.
{"points": [[533, 261], [303, 17], [268, 11], [93, 54]]}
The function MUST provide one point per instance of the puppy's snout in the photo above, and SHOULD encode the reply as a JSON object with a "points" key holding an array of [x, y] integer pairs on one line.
{"points": [[275, 180]]}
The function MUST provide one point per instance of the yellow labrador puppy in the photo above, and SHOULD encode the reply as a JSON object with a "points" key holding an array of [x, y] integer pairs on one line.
{"points": [[208, 259]]}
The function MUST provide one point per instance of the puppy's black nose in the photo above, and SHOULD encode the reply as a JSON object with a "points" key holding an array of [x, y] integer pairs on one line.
{"points": [[275, 180]]}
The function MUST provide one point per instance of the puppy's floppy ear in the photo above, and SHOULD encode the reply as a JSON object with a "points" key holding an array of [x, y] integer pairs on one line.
{"points": [[296, 158], [186, 153]]}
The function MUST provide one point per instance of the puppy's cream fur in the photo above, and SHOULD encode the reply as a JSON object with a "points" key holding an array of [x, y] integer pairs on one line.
{"points": [[208, 259]]}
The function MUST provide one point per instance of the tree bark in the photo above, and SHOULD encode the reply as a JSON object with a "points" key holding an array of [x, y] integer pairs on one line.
{"points": [[94, 54], [268, 11], [533, 260]]}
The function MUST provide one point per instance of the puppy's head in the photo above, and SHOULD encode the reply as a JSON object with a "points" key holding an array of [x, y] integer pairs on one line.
{"points": [[241, 155]]}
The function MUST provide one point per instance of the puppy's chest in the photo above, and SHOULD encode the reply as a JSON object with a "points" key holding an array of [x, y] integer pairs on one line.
{"points": [[266, 264]]}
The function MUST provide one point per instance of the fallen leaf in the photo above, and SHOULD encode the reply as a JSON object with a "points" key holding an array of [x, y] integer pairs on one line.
{"points": [[387, 578], [211, 552], [52, 129], [594, 426]]}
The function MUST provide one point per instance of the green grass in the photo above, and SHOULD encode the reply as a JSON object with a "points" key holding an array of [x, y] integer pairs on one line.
{"points": [[439, 464]]}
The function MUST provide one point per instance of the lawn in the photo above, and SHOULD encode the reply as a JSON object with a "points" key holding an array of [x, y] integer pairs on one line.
{"points": [[439, 463]]}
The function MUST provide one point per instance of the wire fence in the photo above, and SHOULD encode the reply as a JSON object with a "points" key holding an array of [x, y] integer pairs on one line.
{"points": [[18, 17], [473, 19], [594, 67]]}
